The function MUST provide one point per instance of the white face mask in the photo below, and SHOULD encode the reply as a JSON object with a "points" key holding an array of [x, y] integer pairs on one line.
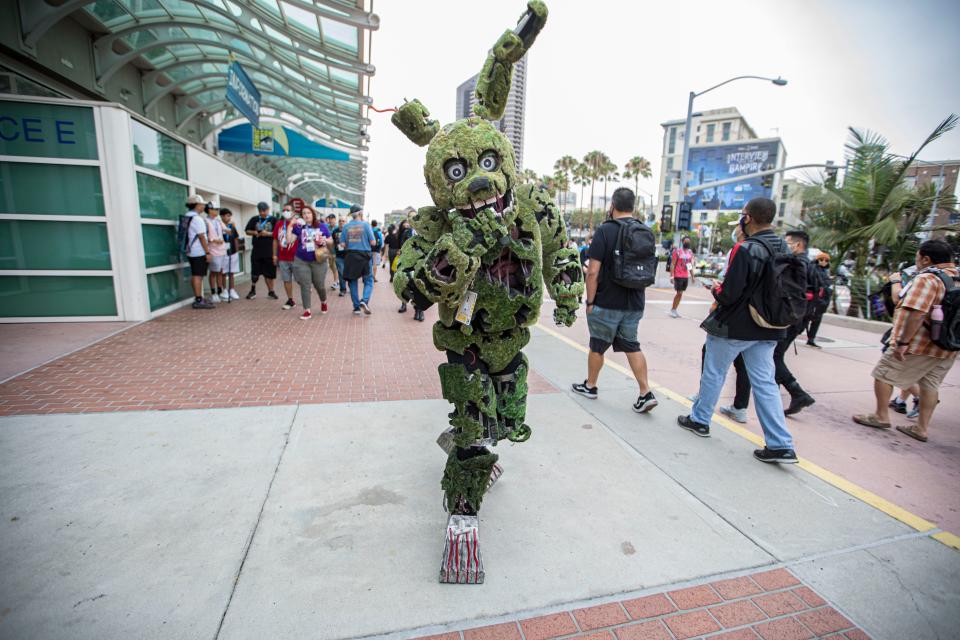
{"points": [[287, 214]]}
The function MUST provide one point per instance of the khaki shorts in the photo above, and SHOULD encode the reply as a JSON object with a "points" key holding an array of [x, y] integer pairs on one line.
{"points": [[926, 371]]}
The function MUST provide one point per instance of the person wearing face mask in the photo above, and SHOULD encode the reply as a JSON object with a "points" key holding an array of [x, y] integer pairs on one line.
{"points": [[733, 328], [821, 299], [284, 252], [681, 268]]}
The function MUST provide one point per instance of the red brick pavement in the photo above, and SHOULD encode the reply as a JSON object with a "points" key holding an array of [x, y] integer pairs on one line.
{"points": [[736, 609], [246, 353]]}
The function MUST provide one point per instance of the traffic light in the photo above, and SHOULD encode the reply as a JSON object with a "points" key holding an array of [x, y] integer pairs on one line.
{"points": [[666, 219], [767, 181], [684, 216]]}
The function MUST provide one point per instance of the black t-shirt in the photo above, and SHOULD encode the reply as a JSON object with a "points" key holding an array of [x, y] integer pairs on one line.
{"points": [[393, 242], [262, 247], [610, 295], [335, 233]]}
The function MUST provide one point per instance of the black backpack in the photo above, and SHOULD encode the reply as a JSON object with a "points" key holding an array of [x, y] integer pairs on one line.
{"points": [[949, 339], [635, 255], [183, 234], [779, 298]]}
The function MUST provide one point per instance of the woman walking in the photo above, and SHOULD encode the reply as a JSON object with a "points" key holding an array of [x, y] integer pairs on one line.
{"points": [[822, 292], [310, 260]]}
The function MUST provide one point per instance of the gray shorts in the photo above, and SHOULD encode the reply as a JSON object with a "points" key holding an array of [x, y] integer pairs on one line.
{"points": [[232, 265], [286, 271], [218, 264], [615, 327]]}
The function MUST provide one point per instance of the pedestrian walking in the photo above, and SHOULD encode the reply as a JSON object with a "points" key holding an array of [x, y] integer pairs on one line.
{"points": [[284, 251], [737, 326], [923, 343], [404, 233], [391, 247], [614, 311], [260, 229], [823, 293], [310, 237], [331, 221], [377, 248], [358, 241], [218, 253], [231, 236], [681, 271], [340, 252], [797, 242]]}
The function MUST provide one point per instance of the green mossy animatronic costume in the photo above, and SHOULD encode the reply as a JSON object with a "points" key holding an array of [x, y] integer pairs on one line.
{"points": [[490, 241]]}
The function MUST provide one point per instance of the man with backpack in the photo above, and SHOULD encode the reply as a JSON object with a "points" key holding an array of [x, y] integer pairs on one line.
{"points": [[924, 340], [763, 293], [797, 242], [192, 231], [622, 264], [377, 248]]}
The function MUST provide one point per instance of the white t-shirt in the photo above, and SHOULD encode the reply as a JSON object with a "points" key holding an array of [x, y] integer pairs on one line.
{"points": [[197, 228]]}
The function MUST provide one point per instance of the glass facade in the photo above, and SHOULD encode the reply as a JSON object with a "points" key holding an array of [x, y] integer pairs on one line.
{"points": [[154, 150], [161, 198], [56, 296], [35, 244], [50, 189], [47, 131]]}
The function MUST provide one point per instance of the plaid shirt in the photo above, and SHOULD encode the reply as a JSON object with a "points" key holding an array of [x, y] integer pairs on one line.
{"points": [[921, 295]]}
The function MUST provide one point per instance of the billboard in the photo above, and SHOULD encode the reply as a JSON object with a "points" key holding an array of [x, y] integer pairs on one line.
{"points": [[709, 164], [242, 94], [275, 140]]}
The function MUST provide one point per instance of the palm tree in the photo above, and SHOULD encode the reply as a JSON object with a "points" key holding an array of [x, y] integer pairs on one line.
{"points": [[549, 183], [581, 176], [608, 173], [637, 167], [529, 176], [595, 161], [874, 208], [562, 181], [564, 165]]}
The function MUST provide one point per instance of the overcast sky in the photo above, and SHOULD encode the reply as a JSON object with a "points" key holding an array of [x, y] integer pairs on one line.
{"points": [[604, 74]]}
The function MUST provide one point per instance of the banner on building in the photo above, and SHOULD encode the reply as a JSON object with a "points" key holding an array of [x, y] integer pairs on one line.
{"points": [[242, 94], [721, 162], [275, 140]]}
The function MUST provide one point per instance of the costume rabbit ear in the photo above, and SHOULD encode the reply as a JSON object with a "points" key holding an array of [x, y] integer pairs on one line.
{"points": [[413, 120], [493, 84]]}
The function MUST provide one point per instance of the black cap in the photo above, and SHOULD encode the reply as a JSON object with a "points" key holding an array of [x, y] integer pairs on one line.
{"points": [[263, 206], [355, 207]]}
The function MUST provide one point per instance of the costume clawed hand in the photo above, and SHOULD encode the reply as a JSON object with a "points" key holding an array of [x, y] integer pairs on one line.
{"points": [[483, 253]]}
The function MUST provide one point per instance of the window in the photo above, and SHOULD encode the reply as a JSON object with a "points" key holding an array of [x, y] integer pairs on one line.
{"points": [[157, 151], [711, 128], [666, 198], [783, 193], [783, 208], [669, 164], [725, 135], [703, 216], [672, 140], [667, 183]]}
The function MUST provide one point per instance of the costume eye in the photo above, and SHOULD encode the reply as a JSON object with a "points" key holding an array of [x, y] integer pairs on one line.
{"points": [[456, 170], [489, 161]]}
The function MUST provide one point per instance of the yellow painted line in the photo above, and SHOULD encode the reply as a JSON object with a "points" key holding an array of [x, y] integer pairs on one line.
{"points": [[948, 539], [894, 511]]}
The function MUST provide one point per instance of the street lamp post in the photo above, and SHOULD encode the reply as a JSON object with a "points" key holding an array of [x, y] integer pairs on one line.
{"points": [[686, 139]]}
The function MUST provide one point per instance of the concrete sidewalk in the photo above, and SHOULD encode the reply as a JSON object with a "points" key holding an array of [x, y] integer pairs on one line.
{"points": [[326, 521]]}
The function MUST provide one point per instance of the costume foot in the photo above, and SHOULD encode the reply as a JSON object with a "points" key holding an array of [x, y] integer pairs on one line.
{"points": [[445, 441], [462, 562]]}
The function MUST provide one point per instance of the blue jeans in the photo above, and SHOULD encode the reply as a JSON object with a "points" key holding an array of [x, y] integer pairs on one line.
{"points": [[367, 289], [343, 283], [758, 358]]}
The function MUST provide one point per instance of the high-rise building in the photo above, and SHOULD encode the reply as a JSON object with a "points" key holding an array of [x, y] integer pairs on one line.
{"points": [[511, 124]]}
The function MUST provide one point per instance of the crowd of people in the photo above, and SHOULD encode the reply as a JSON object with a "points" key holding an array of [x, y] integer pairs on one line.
{"points": [[761, 269], [304, 249]]}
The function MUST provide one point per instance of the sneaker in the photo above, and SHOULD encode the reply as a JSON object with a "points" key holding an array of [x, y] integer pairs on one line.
{"points": [[215, 298], [693, 397], [342, 293], [584, 390], [403, 308], [778, 456], [202, 304], [798, 403], [366, 308], [674, 313], [898, 405], [306, 315], [289, 304], [737, 415], [323, 307], [333, 287], [357, 312], [272, 295], [811, 343], [914, 412], [645, 403], [234, 295], [252, 294], [687, 423]]}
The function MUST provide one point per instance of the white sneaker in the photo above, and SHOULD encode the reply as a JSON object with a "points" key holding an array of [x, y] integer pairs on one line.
{"points": [[737, 415], [214, 298], [234, 295], [674, 313]]}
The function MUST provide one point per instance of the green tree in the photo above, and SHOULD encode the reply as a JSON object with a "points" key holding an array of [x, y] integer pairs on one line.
{"points": [[874, 211], [562, 180], [637, 167], [609, 173], [529, 176], [564, 165], [595, 161], [581, 177]]}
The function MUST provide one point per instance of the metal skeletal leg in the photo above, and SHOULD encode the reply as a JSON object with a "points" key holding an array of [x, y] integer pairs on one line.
{"points": [[511, 392], [462, 562], [465, 480]]}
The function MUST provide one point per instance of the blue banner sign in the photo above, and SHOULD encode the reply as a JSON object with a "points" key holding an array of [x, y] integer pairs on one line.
{"points": [[242, 94], [713, 163], [275, 140]]}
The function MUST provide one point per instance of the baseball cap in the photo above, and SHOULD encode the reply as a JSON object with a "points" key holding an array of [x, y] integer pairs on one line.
{"points": [[263, 206], [355, 207], [196, 199]]}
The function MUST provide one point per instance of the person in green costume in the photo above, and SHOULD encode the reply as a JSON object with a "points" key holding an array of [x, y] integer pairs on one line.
{"points": [[483, 253]]}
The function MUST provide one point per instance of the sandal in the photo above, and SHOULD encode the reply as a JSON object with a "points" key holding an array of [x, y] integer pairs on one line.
{"points": [[870, 420], [913, 434]]}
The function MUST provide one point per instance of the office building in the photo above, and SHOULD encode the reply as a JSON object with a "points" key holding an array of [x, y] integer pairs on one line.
{"points": [[511, 125], [941, 174]]}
